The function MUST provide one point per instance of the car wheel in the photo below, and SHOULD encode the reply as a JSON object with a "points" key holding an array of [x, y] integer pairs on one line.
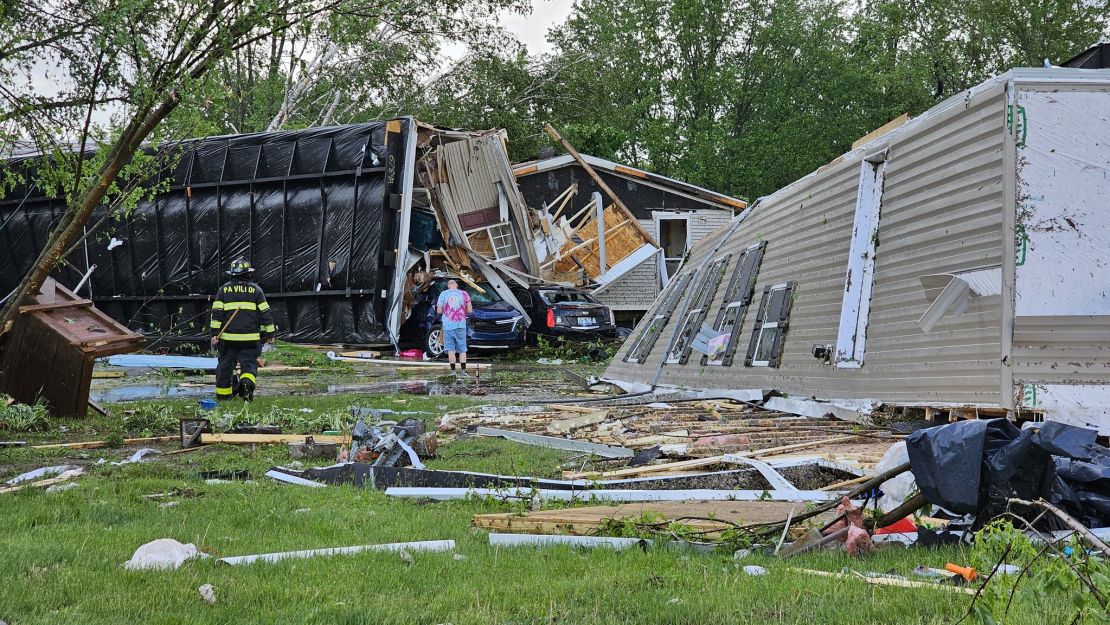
{"points": [[433, 342]]}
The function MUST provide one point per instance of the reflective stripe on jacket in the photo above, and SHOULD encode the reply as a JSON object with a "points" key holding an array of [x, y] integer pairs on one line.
{"points": [[242, 306]]}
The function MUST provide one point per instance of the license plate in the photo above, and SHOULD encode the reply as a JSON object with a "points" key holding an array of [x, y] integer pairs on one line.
{"points": [[587, 322]]}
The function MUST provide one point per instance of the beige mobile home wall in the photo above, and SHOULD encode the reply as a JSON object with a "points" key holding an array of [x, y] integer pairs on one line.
{"points": [[941, 212]]}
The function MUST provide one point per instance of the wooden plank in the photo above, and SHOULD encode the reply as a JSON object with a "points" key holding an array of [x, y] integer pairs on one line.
{"points": [[888, 581], [99, 409], [108, 374], [685, 465], [711, 516], [99, 444], [268, 439], [54, 306], [41, 483], [566, 426]]}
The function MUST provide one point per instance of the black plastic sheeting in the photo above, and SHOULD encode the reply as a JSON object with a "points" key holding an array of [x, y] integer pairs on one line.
{"points": [[973, 467], [308, 208]]}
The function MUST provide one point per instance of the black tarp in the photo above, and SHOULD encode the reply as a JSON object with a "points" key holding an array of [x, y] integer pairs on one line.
{"points": [[974, 467], [308, 208]]}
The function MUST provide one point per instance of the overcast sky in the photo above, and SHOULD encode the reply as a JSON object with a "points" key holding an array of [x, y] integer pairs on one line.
{"points": [[532, 29]]}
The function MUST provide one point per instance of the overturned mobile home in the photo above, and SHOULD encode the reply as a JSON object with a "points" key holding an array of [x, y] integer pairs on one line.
{"points": [[955, 262], [315, 210]]}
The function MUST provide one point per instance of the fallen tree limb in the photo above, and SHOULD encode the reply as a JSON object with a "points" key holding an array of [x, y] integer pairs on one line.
{"points": [[1068, 520]]}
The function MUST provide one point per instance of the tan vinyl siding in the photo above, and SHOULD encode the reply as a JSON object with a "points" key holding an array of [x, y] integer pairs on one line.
{"points": [[942, 212], [1062, 349]]}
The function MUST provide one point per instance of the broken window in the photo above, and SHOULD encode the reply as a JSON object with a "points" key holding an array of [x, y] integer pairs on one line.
{"points": [[721, 349], [496, 241], [705, 288], [771, 321], [855, 307], [651, 331]]}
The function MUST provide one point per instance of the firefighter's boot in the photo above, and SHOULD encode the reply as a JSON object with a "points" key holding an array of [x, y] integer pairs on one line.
{"points": [[246, 389]]}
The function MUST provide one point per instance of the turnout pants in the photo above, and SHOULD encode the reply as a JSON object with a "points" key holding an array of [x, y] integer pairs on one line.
{"points": [[246, 354]]}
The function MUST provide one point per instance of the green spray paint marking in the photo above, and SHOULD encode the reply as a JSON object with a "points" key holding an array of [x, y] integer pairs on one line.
{"points": [[1029, 396], [1022, 245], [1023, 129]]}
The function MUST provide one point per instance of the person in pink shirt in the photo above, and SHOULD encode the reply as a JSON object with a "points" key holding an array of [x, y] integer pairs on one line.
{"points": [[453, 306]]}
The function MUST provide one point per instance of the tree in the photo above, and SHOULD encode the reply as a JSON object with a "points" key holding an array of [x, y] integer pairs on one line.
{"points": [[113, 70], [352, 63]]}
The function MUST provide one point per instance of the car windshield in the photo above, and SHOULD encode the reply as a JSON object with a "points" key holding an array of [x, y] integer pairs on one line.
{"points": [[566, 297], [478, 299]]}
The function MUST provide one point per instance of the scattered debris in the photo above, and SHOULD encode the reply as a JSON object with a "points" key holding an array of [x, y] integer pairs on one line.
{"points": [[208, 593], [427, 545], [604, 451], [42, 472], [976, 467], [706, 519], [531, 494], [57, 337], [292, 479], [310, 448], [752, 569], [885, 580], [161, 554], [72, 473]]}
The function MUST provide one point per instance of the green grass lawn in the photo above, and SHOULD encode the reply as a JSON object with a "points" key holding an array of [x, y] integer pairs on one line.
{"points": [[61, 554]]}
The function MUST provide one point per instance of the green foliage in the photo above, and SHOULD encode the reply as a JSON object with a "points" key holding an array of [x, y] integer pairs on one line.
{"points": [[113, 440], [22, 417], [599, 351], [744, 97], [292, 420], [152, 419], [298, 356], [1062, 573]]}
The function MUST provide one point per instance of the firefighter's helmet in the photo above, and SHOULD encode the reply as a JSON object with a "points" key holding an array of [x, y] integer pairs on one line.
{"points": [[240, 267]]}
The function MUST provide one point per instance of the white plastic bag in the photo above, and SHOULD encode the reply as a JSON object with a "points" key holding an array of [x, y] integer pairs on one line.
{"points": [[162, 554]]}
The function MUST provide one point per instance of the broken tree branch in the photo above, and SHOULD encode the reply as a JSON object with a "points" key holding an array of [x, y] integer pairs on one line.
{"points": [[1068, 520]]}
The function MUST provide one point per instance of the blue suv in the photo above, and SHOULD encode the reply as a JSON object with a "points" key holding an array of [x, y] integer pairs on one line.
{"points": [[494, 324]]}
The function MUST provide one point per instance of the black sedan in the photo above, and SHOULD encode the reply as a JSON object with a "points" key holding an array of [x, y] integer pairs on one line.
{"points": [[566, 312]]}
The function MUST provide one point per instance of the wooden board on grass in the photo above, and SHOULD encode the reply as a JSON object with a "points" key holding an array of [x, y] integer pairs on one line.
{"points": [[712, 516]]}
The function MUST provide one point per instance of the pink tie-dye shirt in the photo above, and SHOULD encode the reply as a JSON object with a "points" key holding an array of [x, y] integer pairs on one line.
{"points": [[454, 303]]}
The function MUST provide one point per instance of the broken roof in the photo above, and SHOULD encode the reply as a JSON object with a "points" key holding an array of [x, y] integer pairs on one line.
{"points": [[631, 173]]}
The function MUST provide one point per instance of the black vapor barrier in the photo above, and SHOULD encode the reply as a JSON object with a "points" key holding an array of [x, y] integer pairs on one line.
{"points": [[974, 467], [310, 209]]}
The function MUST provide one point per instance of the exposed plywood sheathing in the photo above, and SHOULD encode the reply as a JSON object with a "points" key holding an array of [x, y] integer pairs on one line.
{"points": [[621, 241]]}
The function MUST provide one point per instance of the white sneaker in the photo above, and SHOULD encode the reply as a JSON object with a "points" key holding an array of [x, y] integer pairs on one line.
{"points": [[464, 375]]}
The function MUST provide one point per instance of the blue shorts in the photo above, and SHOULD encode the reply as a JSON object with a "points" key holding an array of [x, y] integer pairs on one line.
{"points": [[454, 339]]}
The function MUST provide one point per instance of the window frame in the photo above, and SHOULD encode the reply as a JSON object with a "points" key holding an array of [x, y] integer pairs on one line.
{"points": [[764, 321], [739, 298], [668, 301], [855, 307], [707, 282], [511, 235]]}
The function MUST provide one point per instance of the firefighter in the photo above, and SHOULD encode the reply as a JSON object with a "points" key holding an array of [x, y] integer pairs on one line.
{"points": [[241, 322]]}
